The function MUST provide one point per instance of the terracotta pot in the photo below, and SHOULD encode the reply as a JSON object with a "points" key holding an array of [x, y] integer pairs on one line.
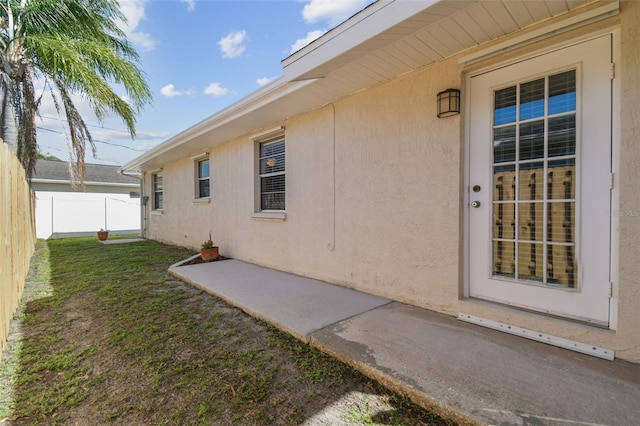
{"points": [[103, 235], [209, 254]]}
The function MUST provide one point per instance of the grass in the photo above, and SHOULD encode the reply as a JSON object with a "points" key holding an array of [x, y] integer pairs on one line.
{"points": [[106, 336]]}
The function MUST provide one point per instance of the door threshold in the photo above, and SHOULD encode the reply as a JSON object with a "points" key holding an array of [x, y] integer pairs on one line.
{"points": [[560, 342]]}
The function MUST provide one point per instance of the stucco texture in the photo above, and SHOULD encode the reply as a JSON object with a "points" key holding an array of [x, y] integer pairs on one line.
{"points": [[375, 198]]}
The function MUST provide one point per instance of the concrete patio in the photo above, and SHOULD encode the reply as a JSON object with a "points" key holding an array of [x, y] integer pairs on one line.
{"points": [[465, 372]]}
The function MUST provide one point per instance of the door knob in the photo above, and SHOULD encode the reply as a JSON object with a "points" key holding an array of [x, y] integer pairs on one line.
{"points": [[475, 204]]}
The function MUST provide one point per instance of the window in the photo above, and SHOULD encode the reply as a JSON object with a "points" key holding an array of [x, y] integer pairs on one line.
{"points": [[203, 179], [271, 165], [534, 162], [157, 191]]}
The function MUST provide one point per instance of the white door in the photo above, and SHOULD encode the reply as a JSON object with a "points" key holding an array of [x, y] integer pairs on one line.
{"points": [[540, 182]]}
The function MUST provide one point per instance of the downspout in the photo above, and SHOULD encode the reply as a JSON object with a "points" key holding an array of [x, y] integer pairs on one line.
{"points": [[332, 245], [143, 202]]}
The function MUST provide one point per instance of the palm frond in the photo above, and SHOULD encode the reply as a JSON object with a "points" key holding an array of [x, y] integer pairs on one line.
{"points": [[78, 46]]}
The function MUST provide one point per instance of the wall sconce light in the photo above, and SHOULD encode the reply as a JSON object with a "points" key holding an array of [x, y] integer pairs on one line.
{"points": [[448, 103]]}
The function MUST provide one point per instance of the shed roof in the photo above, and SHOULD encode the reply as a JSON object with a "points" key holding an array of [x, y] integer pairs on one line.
{"points": [[49, 170]]}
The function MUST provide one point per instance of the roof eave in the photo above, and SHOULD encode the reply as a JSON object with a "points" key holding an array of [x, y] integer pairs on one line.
{"points": [[273, 90]]}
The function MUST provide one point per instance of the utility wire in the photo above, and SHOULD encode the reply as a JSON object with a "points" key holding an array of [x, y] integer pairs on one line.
{"points": [[88, 125], [95, 140]]}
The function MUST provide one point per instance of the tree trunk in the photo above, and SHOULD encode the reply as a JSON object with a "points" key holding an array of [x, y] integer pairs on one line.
{"points": [[9, 129]]}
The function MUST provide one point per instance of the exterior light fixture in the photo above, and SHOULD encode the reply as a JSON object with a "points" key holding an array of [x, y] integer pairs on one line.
{"points": [[448, 103]]}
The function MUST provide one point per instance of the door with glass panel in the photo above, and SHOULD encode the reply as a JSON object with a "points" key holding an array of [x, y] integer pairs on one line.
{"points": [[540, 182]]}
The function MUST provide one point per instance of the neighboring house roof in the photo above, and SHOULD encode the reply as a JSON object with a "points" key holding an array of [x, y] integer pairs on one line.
{"points": [[96, 174], [383, 41]]}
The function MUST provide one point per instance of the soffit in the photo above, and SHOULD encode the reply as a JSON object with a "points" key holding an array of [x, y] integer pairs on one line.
{"points": [[387, 39]]}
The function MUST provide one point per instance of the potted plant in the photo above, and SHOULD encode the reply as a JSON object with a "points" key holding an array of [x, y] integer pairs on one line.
{"points": [[208, 250], [103, 235]]}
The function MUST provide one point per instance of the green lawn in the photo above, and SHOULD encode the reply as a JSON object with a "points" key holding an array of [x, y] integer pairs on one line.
{"points": [[106, 336]]}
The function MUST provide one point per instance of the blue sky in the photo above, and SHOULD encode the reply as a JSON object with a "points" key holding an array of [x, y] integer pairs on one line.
{"points": [[199, 56]]}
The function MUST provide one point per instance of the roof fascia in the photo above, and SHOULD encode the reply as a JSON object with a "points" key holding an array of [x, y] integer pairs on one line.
{"points": [[273, 91], [352, 33]]}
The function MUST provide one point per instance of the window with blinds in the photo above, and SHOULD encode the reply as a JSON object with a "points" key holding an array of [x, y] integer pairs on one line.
{"points": [[203, 178], [157, 191], [534, 168], [271, 165]]}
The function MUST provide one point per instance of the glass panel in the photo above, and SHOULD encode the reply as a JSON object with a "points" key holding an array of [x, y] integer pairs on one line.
{"points": [[504, 183], [158, 200], [561, 180], [273, 183], [273, 164], [504, 220], [561, 266], [204, 187], [203, 169], [504, 144], [531, 181], [530, 221], [273, 201], [562, 135], [273, 192], [561, 225], [504, 254], [274, 147], [530, 261], [562, 92], [545, 228], [157, 182], [505, 106], [532, 140], [532, 99]]}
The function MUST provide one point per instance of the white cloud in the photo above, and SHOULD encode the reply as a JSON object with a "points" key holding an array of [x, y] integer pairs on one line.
{"points": [[300, 43], [232, 45], [331, 11], [143, 41], [191, 4], [146, 146], [134, 12], [170, 91], [264, 81], [215, 89]]}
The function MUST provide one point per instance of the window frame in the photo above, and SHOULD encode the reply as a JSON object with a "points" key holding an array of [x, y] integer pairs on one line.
{"points": [[261, 177], [199, 178], [158, 191], [275, 135]]}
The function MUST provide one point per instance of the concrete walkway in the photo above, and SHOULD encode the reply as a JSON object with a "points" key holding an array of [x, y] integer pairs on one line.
{"points": [[463, 371]]}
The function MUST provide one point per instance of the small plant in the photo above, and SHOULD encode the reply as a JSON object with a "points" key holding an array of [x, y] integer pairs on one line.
{"points": [[208, 244]]}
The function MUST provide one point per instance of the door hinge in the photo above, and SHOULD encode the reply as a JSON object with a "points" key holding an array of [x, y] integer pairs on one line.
{"points": [[610, 180], [610, 290], [613, 70]]}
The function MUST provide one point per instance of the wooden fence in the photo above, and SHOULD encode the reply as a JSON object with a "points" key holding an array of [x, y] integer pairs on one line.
{"points": [[17, 236]]}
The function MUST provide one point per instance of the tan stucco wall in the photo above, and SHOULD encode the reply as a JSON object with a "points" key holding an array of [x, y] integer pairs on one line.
{"points": [[375, 199], [628, 182]]}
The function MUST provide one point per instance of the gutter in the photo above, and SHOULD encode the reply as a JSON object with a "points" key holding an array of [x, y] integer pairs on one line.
{"points": [[86, 183]]}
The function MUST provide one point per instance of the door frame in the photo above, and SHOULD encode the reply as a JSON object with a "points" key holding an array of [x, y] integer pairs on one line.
{"points": [[614, 213]]}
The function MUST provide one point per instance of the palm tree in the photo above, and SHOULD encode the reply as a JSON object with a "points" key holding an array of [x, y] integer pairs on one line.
{"points": [[72, 47]]}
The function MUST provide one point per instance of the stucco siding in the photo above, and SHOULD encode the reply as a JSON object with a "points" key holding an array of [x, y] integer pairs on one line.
{"points": [[375, 196], [628, 213]]}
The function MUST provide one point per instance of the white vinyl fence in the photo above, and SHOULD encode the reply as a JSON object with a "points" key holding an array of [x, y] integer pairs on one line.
{"points": [[61, 214]]}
